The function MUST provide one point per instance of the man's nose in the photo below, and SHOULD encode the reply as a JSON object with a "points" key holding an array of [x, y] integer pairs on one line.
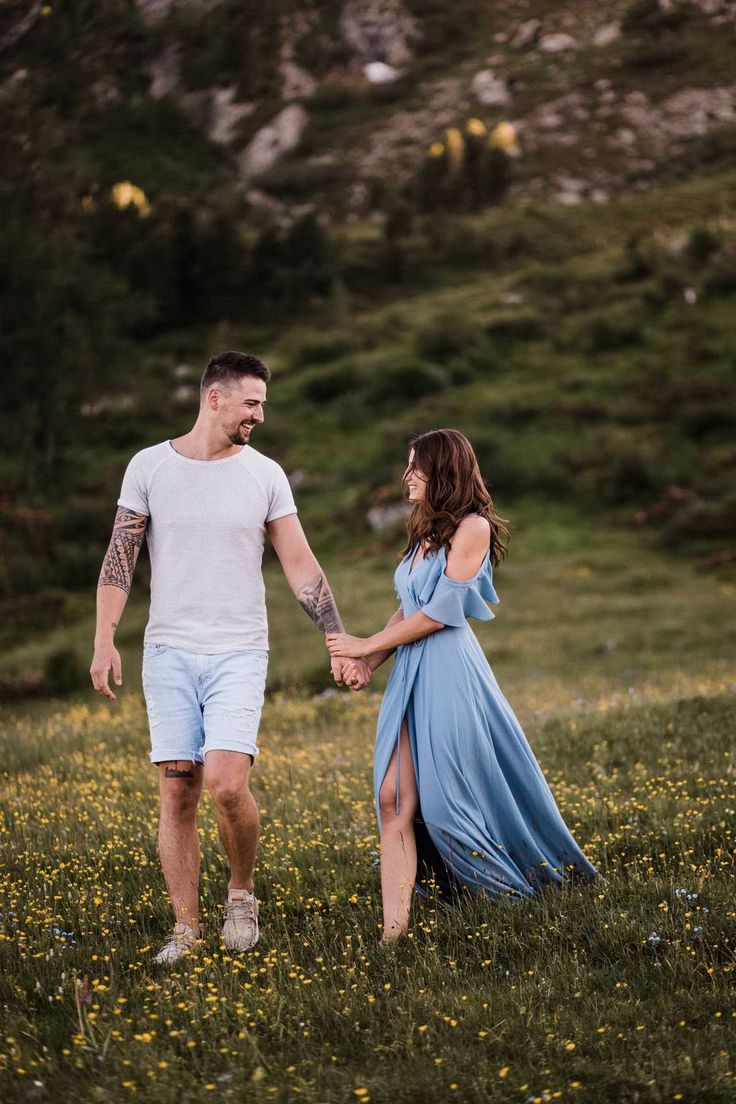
{"points": [[259, 416]]}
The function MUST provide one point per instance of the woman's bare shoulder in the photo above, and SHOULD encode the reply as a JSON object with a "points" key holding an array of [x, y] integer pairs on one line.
{"points": [[472, 532]]}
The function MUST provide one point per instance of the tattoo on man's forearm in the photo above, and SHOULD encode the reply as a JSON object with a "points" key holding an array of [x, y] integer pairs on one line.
{"points": [[316, 599], [128, 535]]}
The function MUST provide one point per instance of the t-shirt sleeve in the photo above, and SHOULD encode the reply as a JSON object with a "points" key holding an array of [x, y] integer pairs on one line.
{"points": [[134, 491], [280, 499]]}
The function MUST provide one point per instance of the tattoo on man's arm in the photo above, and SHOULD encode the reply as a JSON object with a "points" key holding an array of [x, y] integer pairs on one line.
{"points": [[128, 534], [317, 600]]}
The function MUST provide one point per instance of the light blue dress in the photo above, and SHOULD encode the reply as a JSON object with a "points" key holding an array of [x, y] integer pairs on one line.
{"points": [[487, 820]]}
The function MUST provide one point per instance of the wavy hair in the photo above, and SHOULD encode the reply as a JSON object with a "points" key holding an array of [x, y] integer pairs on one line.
{"points": [[455, 488]]}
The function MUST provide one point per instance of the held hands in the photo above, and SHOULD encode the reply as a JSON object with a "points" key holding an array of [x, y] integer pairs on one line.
{"points": [[353, 673], [347, 647]]}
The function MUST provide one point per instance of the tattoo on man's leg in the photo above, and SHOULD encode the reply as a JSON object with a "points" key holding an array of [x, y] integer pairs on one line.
{"points": [[174, 772]]}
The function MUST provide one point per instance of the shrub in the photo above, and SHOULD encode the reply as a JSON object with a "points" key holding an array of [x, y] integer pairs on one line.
{"points": [[63, 672], [329, 384], [651, 17], [406, 381], [320, 350], [702, 243], [441, 339]]}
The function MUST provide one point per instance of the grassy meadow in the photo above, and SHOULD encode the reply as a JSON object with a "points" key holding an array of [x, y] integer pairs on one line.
{"points": [[618, 662]]}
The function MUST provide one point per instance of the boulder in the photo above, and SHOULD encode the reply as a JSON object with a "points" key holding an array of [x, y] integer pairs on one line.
{"points": [[557, 43], [385, 517], [489, 90], [379, 30], [607, 34], [378, 72], [164, 72], [527, 34], [272, 141]]}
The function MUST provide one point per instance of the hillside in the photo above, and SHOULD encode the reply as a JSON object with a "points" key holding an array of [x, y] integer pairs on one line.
{"points": [[515, 221]]}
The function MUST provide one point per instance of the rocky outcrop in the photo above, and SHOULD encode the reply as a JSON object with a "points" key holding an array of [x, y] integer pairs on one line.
{"points": [[217, 112], [379, 30], [22, 27], [165, 72], [687, 114], [271, 142]]}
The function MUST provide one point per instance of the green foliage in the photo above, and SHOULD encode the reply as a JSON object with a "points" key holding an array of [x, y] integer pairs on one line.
{"points": [[617, 976], [406, 380], [652, 18], [64, 673], [468, 174]]}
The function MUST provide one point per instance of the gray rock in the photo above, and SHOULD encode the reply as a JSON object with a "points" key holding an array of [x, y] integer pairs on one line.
{"points": [[527, 34], [384, 517], [557, 43], [296, 83], [687, 114], [379, 30], [607, 34], [378, 72], [490, 90], [154, 11], [272, 141], [165, 72]]}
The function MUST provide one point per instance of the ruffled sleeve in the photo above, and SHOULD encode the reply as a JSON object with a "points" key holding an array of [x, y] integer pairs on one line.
{"points": [[451, 601]]}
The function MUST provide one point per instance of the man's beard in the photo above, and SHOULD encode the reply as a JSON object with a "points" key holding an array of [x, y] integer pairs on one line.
{"points": [[240, 437]]}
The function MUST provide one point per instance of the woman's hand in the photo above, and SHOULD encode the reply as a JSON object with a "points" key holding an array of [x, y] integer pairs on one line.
{"points": [[347, 647]]}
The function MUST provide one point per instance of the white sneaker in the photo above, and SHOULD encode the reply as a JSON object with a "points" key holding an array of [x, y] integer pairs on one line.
{"points": [[240, 930], [181, 942]]}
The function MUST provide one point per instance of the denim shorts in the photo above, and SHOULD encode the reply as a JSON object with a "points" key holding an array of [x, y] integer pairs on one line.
{"points": [[198, 702]]}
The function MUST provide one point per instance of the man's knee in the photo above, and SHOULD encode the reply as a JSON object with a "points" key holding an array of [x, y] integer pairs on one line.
{"points": [[228, 791]]}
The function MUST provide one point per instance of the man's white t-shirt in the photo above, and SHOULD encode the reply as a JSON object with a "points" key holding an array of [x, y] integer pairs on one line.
{"points": [[205, 541]]}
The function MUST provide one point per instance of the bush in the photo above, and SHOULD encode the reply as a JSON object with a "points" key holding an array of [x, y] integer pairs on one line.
{"points": [[721, 279], [702, 243], [520, 326], [330, 383], [442, 338], [407, 381], [63, 672], [320, 350], [652, 18]]}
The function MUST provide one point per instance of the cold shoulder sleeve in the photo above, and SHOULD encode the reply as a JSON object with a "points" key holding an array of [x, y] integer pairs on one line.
{"points": [[452, 601]]}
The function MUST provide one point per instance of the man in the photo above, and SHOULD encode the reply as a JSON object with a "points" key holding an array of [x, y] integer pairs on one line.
{"points": [[203, 501]]}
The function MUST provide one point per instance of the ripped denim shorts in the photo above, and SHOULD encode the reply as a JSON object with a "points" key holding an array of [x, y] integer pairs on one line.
{"points": [[198, 702]]}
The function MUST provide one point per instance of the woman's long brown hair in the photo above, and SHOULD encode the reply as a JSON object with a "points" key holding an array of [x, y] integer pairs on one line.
{"points": [[455, 488]]}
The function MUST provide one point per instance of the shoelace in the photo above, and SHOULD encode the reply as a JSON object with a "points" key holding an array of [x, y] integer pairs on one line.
{"points": [[243, 909], [178, 939]]}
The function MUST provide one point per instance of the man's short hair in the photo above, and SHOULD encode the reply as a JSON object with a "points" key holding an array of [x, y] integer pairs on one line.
{"points": [[225, 369]]}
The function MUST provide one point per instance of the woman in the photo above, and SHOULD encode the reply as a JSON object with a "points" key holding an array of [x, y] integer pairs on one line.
{"points": [[460, 797]]}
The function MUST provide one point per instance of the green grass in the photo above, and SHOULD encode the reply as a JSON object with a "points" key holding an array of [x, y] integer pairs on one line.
{"points": [[578, 996], [617, 661]]}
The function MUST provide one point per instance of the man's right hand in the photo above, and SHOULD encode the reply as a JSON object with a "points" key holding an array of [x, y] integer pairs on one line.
{"points": [[106, 659]]}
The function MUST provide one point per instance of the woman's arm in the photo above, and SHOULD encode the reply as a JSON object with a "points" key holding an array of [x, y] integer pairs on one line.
{"points": [[375, 659], [402, 631]]}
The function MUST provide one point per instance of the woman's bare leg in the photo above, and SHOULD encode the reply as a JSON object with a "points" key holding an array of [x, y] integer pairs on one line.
{"points": [[398, 843]]}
